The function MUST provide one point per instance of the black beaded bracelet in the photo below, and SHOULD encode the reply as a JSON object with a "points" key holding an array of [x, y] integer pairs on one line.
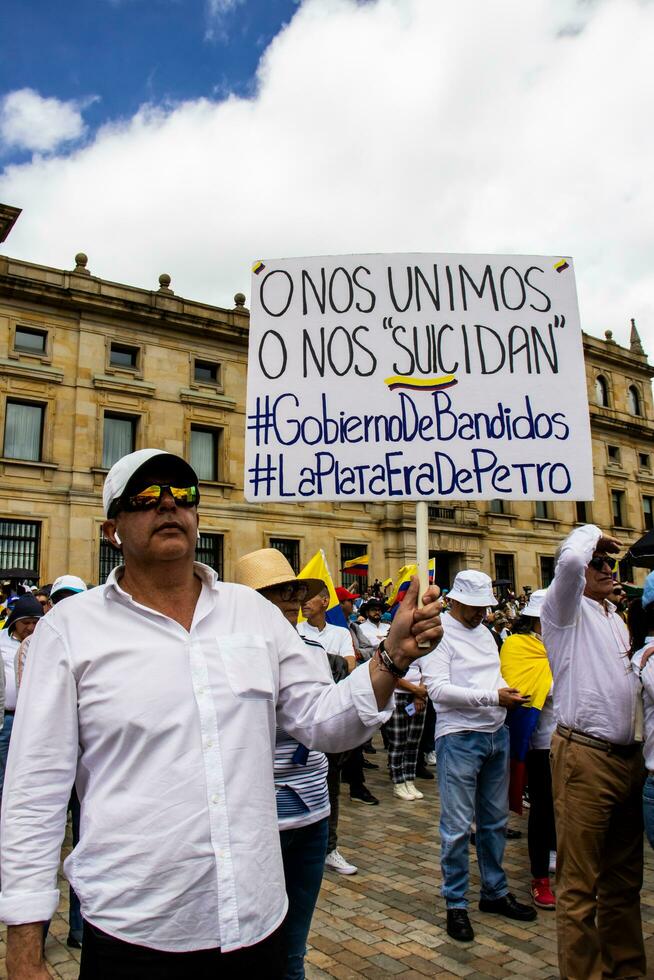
{"points": [[391, 667]]}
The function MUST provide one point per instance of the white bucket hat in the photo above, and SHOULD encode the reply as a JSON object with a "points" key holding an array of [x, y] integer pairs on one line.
{"points": [[535, 604], [473, 589]]}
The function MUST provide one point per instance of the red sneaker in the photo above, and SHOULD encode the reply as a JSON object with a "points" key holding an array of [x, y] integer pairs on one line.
{"points": [[542, 894]]}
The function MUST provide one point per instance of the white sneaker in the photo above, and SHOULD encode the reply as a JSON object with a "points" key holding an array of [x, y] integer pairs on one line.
{"points": [[417, 795], [402, 791], [552, 862], [337, 862], [430, 758]]}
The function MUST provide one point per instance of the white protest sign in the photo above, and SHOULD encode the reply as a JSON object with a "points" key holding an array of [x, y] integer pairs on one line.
{"points": [[418, 376]]}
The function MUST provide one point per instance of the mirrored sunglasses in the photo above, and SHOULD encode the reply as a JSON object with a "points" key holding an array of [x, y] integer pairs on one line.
{"points": [[150, 496]]}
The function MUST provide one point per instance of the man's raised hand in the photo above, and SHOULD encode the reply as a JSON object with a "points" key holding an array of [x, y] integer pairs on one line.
{"points": [[414, 624]]}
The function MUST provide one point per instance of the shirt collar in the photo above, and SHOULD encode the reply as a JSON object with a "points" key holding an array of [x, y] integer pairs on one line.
{"points": [[113, 590]]}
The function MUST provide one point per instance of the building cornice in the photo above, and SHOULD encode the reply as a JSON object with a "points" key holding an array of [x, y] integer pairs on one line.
{"points": [[32, 371], [598, 352], [609, 420], [8, 218], [89, 296]]}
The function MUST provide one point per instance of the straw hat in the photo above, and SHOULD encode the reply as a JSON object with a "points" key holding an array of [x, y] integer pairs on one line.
{"points": [[267, 567]]}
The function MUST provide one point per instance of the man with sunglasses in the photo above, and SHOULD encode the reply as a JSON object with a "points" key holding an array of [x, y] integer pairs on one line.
{"points": [[597, 766], [158, 693]]}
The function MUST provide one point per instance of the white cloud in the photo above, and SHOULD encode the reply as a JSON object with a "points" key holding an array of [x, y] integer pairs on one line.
{"points": [[28, 121], [217, 10], [395, 125]]}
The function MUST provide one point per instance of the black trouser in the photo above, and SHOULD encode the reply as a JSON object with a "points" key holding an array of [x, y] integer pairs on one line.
{"points": [[107, 958], [427, 740], [541, 832], [334, 787], [353, 769]]}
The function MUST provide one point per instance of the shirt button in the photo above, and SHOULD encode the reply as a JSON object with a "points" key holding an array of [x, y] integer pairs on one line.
{"points": [[215, 799], [201, 690], [208, 743]]}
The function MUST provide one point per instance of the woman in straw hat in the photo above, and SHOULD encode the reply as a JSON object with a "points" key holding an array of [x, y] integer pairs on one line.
{"points": [[300, 774]]}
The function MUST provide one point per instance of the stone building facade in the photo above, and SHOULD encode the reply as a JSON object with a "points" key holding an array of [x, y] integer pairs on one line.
{"points": [[90, 368]]}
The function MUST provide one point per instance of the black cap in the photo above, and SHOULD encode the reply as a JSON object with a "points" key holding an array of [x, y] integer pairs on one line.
{"points": [[26, 607]]}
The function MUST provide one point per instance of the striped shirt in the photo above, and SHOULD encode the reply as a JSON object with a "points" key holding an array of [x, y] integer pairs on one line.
{"points": [[301, 787]]}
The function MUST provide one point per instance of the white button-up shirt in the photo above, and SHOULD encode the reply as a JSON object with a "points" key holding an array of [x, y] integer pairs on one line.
{"points": [[334, 639], [374, 632], [9, 649], [647, 679], [170, 737], [463, 678], [588, 648]]}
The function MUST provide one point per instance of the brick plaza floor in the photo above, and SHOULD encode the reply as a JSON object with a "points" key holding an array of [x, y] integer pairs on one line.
{"points": [[389, 920]]}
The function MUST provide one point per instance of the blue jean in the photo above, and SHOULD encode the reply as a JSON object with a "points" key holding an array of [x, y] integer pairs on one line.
{"points": [[303, 854], [648, 808], [473, 782], [5, 736]]}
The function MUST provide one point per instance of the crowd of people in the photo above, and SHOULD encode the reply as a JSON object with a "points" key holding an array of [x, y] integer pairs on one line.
{"points": [[200, 732]]}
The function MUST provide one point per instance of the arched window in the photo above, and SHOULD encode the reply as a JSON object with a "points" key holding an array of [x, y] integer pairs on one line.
{"points": [[633, 400], [601, 391]]}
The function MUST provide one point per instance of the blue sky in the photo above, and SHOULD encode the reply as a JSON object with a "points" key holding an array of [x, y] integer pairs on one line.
{"points": [[194, 136], [127, 52]]}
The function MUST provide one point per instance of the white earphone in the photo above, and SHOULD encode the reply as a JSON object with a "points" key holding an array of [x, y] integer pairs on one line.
{"points": [[117, 537]]}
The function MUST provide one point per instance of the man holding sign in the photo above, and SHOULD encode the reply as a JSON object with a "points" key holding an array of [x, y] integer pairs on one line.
{"points": [[157, 694]]}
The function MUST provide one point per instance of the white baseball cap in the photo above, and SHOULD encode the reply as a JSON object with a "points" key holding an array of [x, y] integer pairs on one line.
{"points": [[473, 588], [128, 466], [535, 604], [68, 583]]}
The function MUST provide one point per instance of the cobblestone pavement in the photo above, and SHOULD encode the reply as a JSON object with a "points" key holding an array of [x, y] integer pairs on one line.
{"points": [[389, 920]]}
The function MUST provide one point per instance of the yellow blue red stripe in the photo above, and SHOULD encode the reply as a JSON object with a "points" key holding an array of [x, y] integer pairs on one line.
{"points": [[420, 384]]}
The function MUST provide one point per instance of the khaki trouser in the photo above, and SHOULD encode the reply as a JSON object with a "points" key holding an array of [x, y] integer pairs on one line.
{"points": [[599, 873]]}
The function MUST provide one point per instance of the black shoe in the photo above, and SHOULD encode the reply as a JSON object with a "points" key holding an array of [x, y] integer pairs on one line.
{"points": [[72, 942], [508, 907], [422, 772], [369, 765], [363, 795], [458, 926], [369, 749]]}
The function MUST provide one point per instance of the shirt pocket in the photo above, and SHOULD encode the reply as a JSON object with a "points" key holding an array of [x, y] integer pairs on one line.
{"points": [[247, 666]]}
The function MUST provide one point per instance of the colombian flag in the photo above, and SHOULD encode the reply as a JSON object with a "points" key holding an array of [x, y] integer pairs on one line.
{"points": [[357, 566], [317, 567], [402, 584], [404, 577], [524, 666]]}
